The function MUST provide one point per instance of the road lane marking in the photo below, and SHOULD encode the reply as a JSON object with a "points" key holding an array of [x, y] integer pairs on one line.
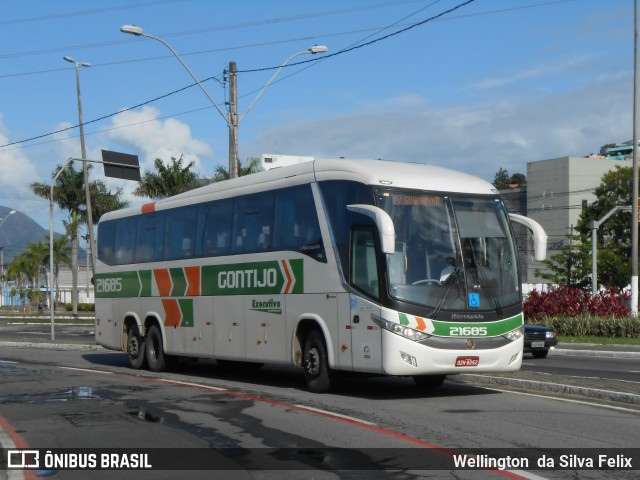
{"points": [[569, 400], [333, 414], [88, 370]]}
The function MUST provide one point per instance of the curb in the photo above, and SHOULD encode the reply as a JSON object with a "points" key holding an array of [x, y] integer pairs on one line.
{"points": [[52, 346], [593, 353], [559, 388]]}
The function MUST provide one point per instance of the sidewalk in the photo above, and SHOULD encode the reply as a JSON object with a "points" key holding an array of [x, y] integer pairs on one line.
{"points": [[613, 391]]}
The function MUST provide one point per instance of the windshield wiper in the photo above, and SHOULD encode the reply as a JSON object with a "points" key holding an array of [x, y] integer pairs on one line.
{"points": [[451, 279], [484, 284]]}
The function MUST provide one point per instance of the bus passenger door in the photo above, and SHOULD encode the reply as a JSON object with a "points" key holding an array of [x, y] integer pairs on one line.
{"points": [[366, 337]]}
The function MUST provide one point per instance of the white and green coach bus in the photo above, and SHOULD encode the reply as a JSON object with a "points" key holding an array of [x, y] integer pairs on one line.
{"points": [[331, 265]]}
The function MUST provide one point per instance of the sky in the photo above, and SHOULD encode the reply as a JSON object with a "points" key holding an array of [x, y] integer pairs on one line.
{"points": [[491, 84]]}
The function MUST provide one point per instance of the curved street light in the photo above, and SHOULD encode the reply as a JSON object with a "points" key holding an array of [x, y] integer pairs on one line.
{"points": [[232, 119], [2, 220], [85, 168]]}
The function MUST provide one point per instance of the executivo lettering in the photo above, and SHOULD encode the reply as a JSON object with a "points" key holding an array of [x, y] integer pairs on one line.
{"points": [[267, 306]]}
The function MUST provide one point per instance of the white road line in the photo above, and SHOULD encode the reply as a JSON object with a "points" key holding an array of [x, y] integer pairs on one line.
{"points": [[89, 370], [569, 400], [333, 414], [190, 384]]}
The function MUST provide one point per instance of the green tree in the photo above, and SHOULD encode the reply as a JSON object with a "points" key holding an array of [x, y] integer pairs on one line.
{"points": [[571, 266], [18, 270], [501, 179], [614, 236], [28, 265], [69, 194], [518, 179], [253, 166], [167, 180]]}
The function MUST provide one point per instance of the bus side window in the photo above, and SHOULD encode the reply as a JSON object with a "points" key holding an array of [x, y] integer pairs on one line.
{"points": [[364, 268], [217, 229], [126, 230], [180, 231], [106, 237]]}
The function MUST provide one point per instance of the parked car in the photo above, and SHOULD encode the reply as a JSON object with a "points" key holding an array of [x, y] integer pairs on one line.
{"points": [[538, 339]]}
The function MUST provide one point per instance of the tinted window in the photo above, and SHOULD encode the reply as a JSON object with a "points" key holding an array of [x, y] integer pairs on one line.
{"points": [[125, 240], [150, 231], [252, 223], [296, 225], [218, 228], [180, 233], [106, 237]]}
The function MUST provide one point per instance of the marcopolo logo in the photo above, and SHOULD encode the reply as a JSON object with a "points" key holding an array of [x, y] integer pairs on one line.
{"points": [[267, 306]]}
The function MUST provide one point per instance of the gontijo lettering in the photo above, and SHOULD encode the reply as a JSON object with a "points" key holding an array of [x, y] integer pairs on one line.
{"points": [[248, 278]]}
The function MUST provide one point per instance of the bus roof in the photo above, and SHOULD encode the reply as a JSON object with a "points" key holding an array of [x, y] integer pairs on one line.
{"points": [[417, 176]]}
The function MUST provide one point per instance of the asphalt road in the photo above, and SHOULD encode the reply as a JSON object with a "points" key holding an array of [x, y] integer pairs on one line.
{"points": [[607, 373], [89, 399]]}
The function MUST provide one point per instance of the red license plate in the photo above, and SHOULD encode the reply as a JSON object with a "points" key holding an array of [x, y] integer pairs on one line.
{"points": [[467, 361]]}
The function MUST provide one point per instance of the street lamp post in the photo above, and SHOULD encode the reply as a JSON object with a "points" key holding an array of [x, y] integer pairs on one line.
{"points": [[232, 119], [2, 220], [85, 168]]}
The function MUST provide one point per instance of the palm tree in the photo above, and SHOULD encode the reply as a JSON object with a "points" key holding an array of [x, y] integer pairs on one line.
{"points": [[30, 263], [61, 251], [167, 180], [253, 166], [69, 194], [18, 269]]}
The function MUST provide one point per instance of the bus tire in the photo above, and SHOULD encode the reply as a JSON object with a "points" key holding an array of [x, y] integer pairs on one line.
{"points": [[136, 348], [156, 359], [429, 381], [319, 377]]}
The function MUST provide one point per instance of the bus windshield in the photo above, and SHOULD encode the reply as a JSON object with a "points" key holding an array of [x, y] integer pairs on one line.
{"points": [[452, 254]]}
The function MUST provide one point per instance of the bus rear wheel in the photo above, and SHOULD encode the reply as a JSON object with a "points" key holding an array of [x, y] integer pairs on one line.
{"points": [[156, 358], [136, 348], [319, 377]]}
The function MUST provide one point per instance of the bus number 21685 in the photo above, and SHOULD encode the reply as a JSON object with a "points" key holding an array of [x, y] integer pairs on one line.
{"points": [[468, 331], [106, 285]]}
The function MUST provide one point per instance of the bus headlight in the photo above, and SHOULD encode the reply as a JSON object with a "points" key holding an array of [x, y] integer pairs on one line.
{"points": [[516, 334], [406, 332]]}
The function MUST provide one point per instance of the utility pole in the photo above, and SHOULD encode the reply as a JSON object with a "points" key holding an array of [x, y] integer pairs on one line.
{"points": [[233, 121], [634, 197]]}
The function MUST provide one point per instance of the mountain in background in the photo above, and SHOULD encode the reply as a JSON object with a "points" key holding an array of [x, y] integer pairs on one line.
{"points": [[18, 231]]}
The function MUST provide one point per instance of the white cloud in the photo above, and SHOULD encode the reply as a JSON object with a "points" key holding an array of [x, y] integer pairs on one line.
{"points": [[153, 138], [478, 138], [17, 172]]}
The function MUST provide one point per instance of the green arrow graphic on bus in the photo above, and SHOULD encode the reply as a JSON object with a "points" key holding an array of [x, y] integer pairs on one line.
{"points": [[459, 329]]}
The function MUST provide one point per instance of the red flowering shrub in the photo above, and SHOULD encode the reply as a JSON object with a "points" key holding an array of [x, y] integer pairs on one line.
{"points": [[572, 302]]}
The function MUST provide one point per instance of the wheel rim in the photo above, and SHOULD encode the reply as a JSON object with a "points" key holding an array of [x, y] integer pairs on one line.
{"points": [[134, 347], [312, 363]]}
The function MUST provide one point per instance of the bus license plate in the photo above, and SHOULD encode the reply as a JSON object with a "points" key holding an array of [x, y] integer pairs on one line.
{"points": [[537, 344], [467, 361]]}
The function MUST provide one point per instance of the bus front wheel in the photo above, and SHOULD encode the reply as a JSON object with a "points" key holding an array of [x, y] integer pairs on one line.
{"points": [[136, 348], [156, 358], [318, 375]]}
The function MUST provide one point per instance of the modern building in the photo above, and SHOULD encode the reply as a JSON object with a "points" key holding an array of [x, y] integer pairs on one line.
{"points": [[557, 190]]}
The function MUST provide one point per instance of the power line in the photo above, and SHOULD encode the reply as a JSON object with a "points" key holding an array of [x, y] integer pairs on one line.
{"points": [[83, 12], [341, 52]]}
